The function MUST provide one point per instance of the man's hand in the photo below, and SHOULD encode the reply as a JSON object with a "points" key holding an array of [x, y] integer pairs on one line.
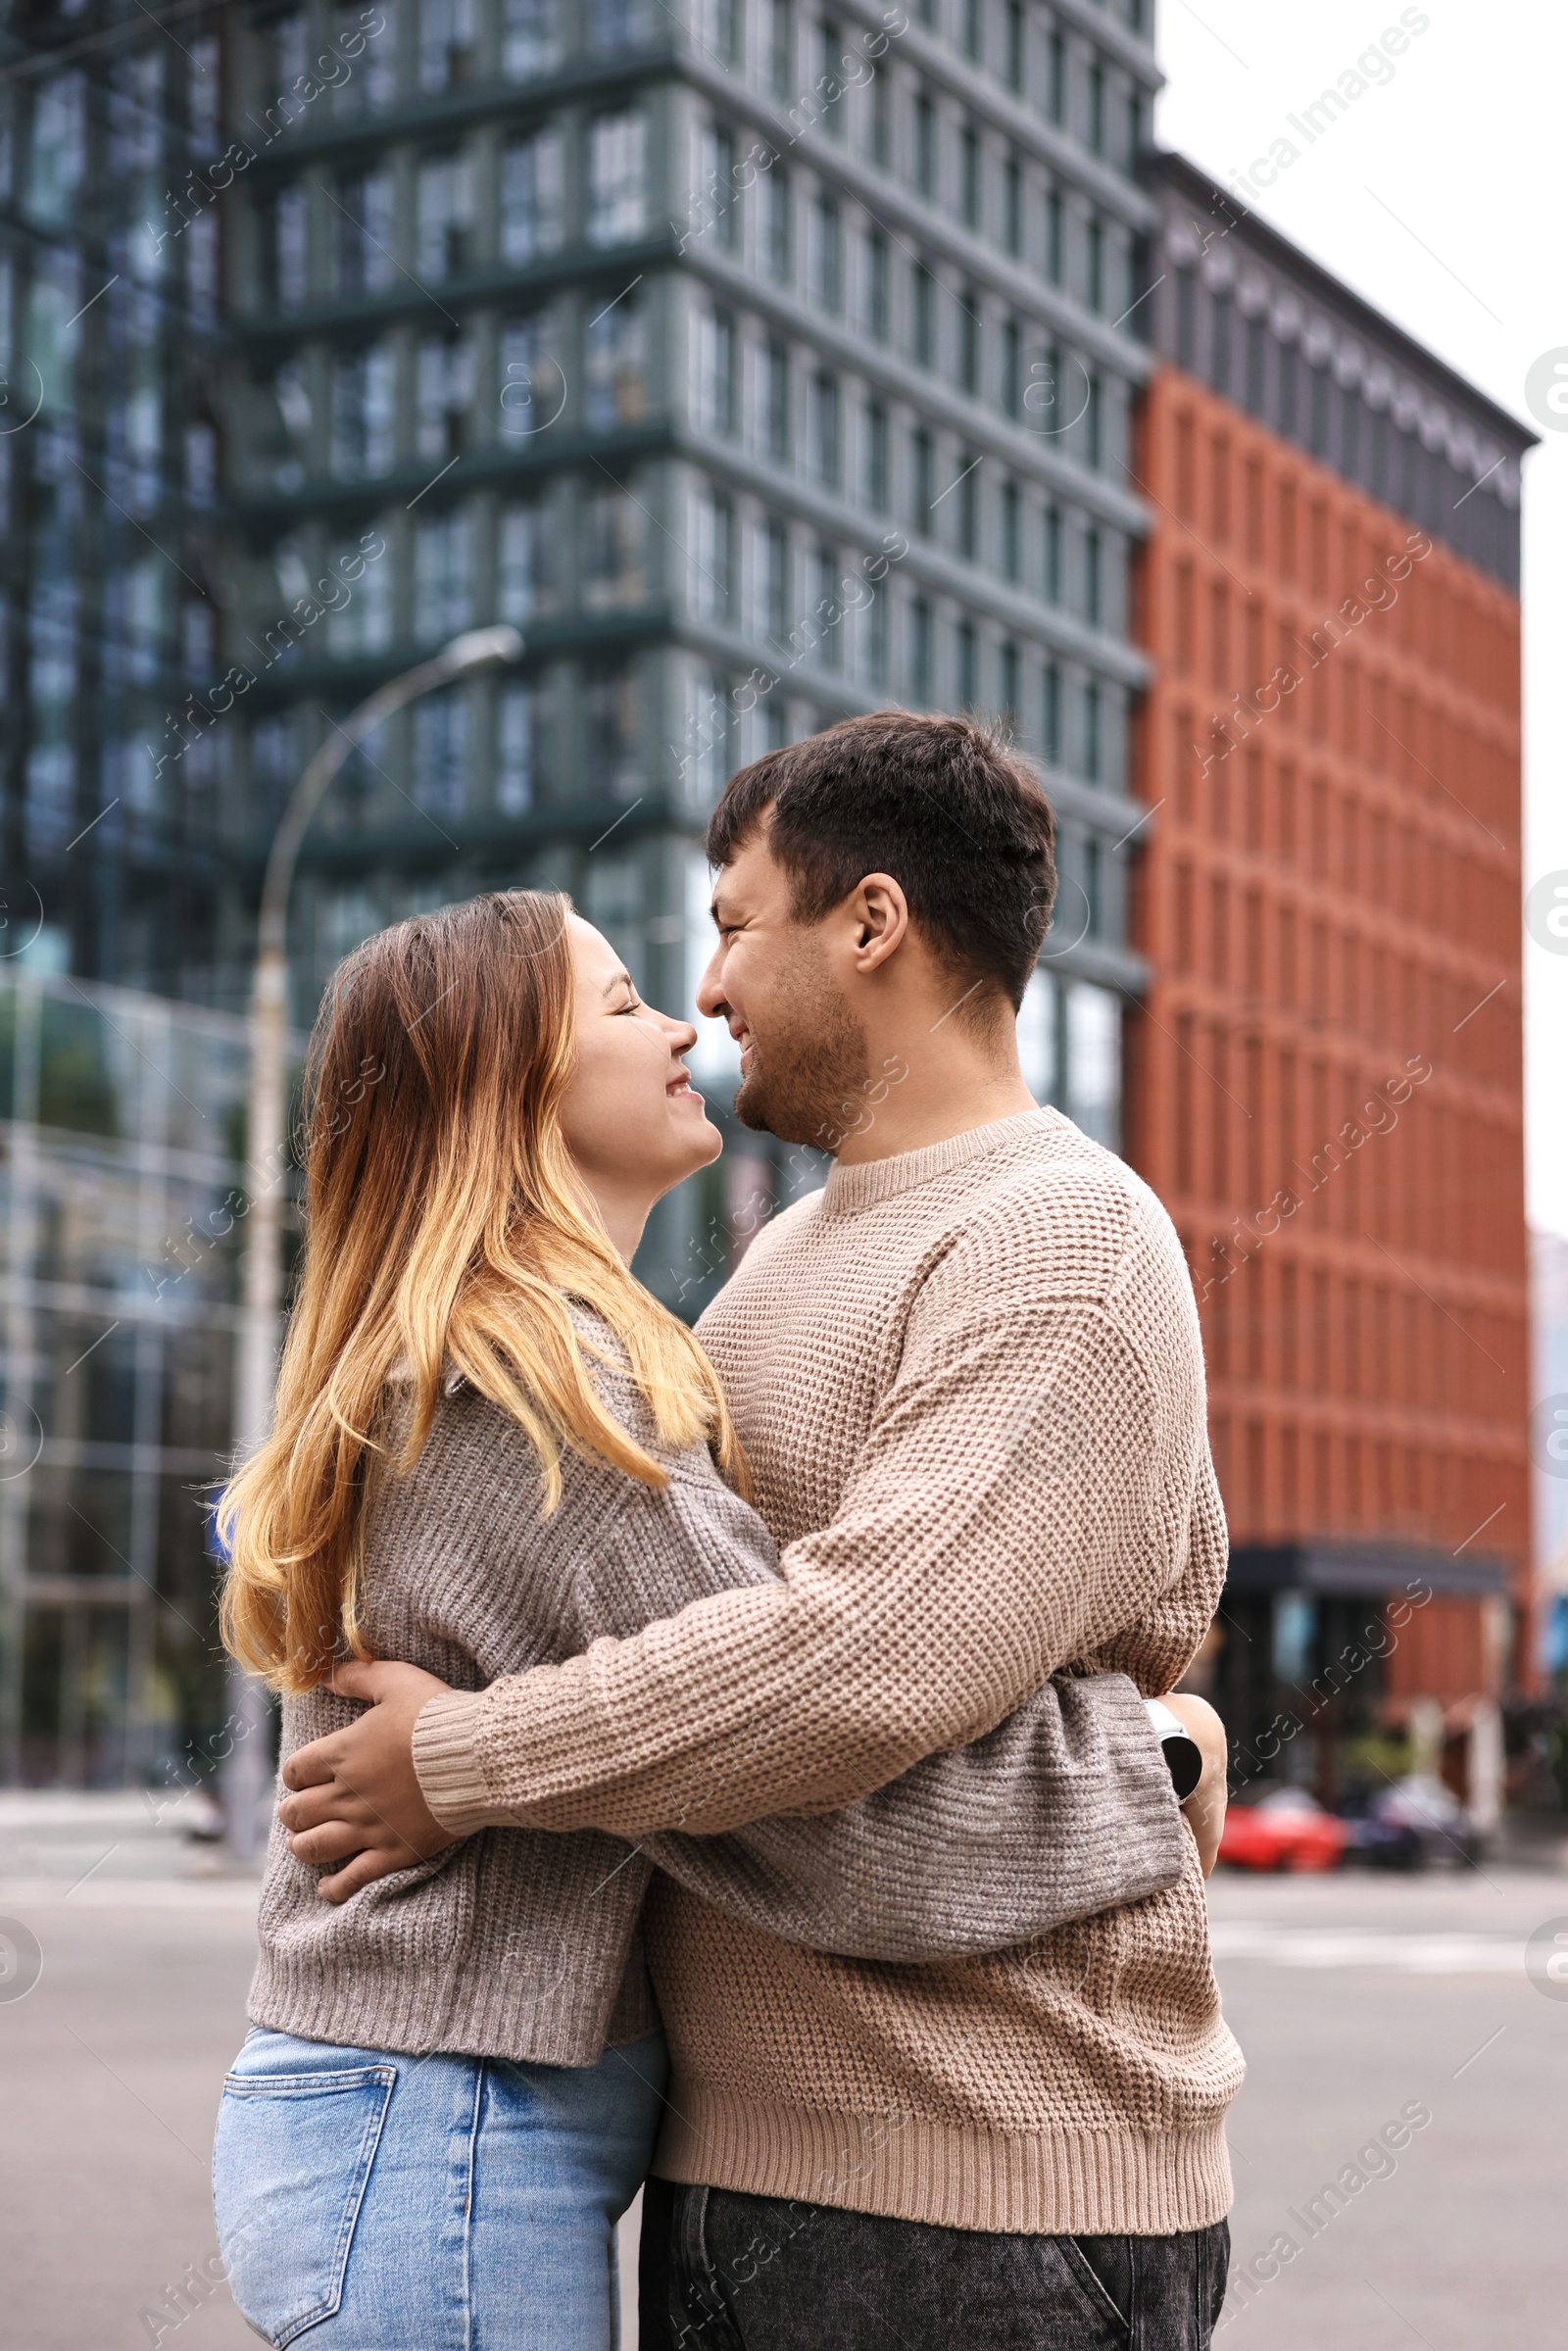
{"points": [[359, 1801], [1204, 1808]]}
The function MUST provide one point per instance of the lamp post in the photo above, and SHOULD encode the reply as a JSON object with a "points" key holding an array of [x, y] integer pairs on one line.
{"points": [[247, 1770]]}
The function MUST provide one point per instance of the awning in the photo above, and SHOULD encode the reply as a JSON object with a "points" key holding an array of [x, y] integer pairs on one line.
{"points": [[1365, 1571]]}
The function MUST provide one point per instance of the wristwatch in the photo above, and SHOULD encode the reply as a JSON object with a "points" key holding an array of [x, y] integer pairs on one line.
{"points": [[1184, 1757]]}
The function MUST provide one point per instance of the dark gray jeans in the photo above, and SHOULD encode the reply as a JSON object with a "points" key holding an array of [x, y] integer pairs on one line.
{"points": [[722, 2272]]}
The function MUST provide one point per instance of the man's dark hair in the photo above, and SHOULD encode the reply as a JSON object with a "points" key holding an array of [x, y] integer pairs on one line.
{"points": [[944, 805]]}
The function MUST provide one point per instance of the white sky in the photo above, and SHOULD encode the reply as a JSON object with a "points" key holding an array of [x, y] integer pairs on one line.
{"points": [[1465, 145]]}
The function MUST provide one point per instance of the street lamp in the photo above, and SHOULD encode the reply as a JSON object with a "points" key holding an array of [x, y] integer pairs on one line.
{"points": [[247, 1774]]}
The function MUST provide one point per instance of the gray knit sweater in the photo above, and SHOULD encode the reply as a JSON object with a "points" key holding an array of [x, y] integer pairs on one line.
{"points": [[524, 1944]]}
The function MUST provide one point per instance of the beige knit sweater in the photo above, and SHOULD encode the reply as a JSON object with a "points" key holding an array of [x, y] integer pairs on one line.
{"points": [[970, 1384]]}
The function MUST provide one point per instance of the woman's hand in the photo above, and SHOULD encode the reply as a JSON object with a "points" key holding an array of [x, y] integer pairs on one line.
{"points": [[1204, 1808], [359, 1799]]}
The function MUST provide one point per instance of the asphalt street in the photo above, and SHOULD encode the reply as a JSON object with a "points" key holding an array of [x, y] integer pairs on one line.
{"points": [[1362, 2003]]}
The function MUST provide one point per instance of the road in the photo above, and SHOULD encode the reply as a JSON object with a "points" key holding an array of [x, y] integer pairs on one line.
{"points": [[1360, 2002]]}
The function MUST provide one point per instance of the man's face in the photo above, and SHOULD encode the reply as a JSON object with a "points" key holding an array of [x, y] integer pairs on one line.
{"points": [[803, 1051]]}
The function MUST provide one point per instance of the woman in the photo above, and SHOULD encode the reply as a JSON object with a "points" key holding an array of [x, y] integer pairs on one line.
{"points": [[491, 1446]]}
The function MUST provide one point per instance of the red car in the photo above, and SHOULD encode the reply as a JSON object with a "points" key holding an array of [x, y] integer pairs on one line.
{"points": [[1285, 1830]]}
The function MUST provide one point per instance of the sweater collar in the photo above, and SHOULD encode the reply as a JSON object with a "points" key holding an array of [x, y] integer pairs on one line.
{"points": [[849, 1189]]}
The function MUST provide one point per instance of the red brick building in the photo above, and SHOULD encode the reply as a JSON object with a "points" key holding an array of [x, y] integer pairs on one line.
{"points": [[1325, 1080]]}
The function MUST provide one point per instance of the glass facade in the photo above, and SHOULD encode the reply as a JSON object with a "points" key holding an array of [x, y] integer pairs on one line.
{"points": [[122, 1126]]}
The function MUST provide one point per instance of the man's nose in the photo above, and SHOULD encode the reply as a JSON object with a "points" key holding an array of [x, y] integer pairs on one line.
{"points": [[710, 993]]}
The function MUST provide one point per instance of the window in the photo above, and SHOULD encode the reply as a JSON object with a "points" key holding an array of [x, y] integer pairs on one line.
{"points": [[710, 537], [780, 36], [363, 235], [532, 197], [778, 257], [877, 267], [925, 146], [1093, 582], [1092, 734], [715, 371], [920, 653], [828, 612], [514, 751], [829, 83], [362, 392], [871, 655], [1009, 683], [1095, 424], [714, 30], [827, 259], [773, 583], [441, 752], [373, 83], [826, 430], [1055, 236], [618, 24], [1013, 369], [1257, 350], [611, 729], [1052, 555], [1094, 1061], [443, 574], [362, 626], [520, 543], [969, 486], [1056, 78], [448, 40], [1010, 504], [1050, 713], [613, 550], [715, 203], [923, 486], [616, 179], [534, 388], [58, 152], [1219, 351], [925, 315], [973, 28], [444, 397], [968, 667], [530, 38], [971, 177], [1012, 206], [970, 340], [776, 401], [876, 458], [1097, 109], [445, 217], [616, 366], [1013, 68], [288, 281], [1095, 266]]}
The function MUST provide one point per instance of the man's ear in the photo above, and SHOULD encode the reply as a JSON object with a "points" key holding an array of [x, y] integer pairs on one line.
{"points": [[880, 913]]}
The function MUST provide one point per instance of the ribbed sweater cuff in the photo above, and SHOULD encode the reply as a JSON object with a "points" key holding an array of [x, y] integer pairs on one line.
{"points": [[446, 1760]]}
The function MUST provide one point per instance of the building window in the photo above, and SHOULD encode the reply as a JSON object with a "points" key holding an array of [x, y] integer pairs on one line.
{"points": [[829, 85], [777, 255], [715, 371], [447, 34], [1013, 369], [776, 401], [1095, 424], [445, 226], [877, 441], [1052, 555], [443, 576], [1095, 266], [713, 204], [616, 366], [1094, 756], [287, 280], [1012, 206], [971, 176], [363, 386], [973, 21], [362, 236], [614, 542], [827, 261], [1009, 683], [441, 752], [825, 407], [781, 48], [830, 615], [1056, 237], [920, 654], [612, 733], [874, 639], [1012, 71], [530, 38], [1257, 350], [514, 751], [1050, 713], [970, 340], [1010, 506], [877, 269], [618, 24], [925, 315], [714, 30], [444, 397], [372, 86], [364, 625], [925, 146], [519, 550], [923, 486], [1319, 426], [1219, 347], [1097, 109], [617, 178], [534, 388], [967, 649], [1094, 1061], [710, 538], [969, 486], [532, 197], [1093, 588], [773, 584], [1056, 78]]}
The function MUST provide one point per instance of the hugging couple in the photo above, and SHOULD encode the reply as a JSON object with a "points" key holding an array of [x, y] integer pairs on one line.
{"points": [[757, 1804]]}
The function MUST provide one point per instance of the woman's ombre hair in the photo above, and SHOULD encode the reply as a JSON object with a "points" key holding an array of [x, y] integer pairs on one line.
{"points": [[445, 1230]]}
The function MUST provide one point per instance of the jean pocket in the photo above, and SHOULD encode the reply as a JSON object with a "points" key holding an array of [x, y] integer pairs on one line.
{"points": [[290, 2162]]}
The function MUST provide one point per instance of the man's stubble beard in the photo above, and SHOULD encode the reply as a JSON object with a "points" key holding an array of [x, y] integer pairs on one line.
{"points": [[806, 1084]]}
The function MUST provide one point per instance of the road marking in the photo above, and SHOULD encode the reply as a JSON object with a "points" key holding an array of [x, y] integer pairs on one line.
{"points": [[1438, 1954]]}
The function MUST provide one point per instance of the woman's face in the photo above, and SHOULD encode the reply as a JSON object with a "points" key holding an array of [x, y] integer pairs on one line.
{"points": [[633, 1122]]}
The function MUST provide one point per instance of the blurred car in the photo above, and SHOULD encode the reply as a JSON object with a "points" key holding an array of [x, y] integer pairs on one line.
{"points": [[1285, 1830], [1416, 1823]]}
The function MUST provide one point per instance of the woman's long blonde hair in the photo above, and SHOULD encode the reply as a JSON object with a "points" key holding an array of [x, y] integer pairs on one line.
{"points": [[445, 1230]]}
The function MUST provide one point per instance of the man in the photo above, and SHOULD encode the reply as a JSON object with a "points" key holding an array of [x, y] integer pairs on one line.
{"points": [[968, 1378]]}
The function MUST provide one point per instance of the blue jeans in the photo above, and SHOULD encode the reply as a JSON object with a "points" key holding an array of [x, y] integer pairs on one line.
{"points": [[382, 2202]]}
